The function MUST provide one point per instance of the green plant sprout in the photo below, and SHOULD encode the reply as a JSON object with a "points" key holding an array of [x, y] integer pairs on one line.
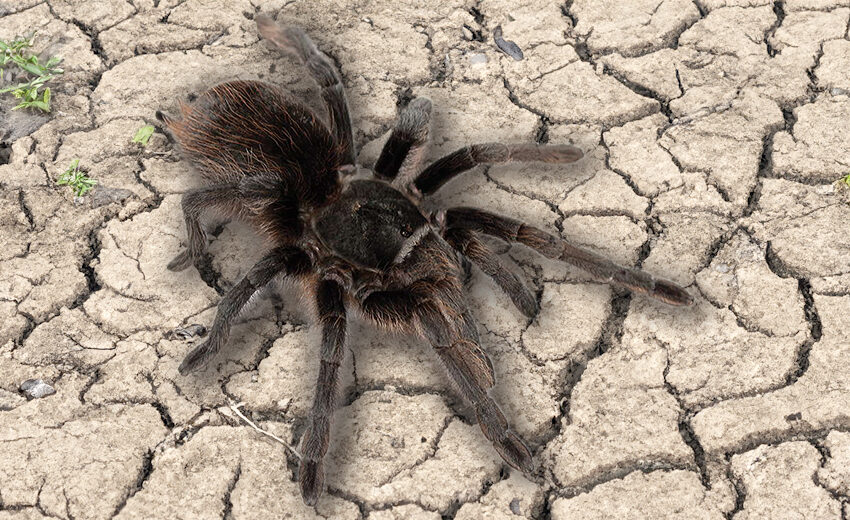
{"points": [[76, 179], [28, 92], [143, 134], [845, 180]]}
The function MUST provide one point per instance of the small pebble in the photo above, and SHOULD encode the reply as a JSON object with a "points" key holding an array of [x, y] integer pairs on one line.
{"points": [[187, 332], [477, 58], [101, 196], [36, 388], [515, 507], [507, 46]]}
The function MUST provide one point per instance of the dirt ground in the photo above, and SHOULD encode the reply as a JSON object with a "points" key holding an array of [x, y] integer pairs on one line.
{"points": [[714, 132]]}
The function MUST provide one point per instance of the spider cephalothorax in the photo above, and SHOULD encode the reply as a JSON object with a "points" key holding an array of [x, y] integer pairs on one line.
{"points": [[362, 244]]}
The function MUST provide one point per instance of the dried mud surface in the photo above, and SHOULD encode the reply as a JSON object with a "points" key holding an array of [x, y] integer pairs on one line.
{"points": [[714, 131]]}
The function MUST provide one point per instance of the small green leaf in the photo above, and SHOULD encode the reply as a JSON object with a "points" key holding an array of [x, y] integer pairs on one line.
{"points": [[143, 135], [28, 92], [77, 180], [29, 67], [41, 105]]}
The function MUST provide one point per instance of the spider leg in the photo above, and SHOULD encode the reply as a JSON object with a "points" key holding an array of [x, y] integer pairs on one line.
{"points": [[456, 343], [393, 309], [597, 265], [194, 203], [293, 40], [404, 150], [331, 310], [468, 244], [446, 168], [287, 260]]}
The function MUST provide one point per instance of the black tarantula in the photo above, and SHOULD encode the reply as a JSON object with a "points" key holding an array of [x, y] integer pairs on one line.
{"points": [[362, 245]]}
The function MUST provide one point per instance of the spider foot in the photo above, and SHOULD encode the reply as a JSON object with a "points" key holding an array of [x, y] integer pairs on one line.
{"points": [[199, 356], [668, 292], [180, 262], [527, 305], [284, 38], [312, 477], [515, 452]]}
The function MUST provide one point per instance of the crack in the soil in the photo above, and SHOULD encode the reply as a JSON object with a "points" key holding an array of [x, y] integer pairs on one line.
{"points": [[144, 473], [611, 335], [25, 209], [765, 168], [227, 514], [617, 471], [815, 332], [738, 487], [93, 379], [625, 176], [779, 11], [454, 507], [86, 267], [96, 47], [612, 328], [434, 445], [362, 508], [167, 421], [825, 455], [686, 430]]}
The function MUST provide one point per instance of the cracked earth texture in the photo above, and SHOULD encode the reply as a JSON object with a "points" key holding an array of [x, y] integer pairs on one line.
{"points": [[713, 130]]}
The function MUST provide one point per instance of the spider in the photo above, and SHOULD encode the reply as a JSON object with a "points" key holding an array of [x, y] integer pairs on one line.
{"points": [[360, 240]]}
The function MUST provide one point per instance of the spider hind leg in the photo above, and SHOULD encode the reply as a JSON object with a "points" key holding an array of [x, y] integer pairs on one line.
{"points": [[294, 41], [457, 346]]}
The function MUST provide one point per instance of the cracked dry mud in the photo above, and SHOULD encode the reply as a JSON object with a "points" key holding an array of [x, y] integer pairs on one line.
{"points": [[713, 133]]}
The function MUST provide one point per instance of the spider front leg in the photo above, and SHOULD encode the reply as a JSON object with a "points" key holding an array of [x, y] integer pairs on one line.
{"points": [[194, 203], [281, 260], [404, 150], [456, 343], [314, 444], [599, 267], [446, 168], [293, 40]]}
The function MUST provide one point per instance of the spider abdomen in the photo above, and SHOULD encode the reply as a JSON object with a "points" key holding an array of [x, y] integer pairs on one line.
{"points": [[370, 224], [243, 128]]}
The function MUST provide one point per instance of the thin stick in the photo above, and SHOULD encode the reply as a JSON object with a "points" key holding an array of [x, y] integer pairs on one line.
{"points": [[235, 408]]}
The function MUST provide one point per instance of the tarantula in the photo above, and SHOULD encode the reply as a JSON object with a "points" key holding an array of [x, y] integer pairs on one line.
{"points": [[363, 245]]}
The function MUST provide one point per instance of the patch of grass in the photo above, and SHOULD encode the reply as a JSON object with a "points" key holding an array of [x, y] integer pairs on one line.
{"points": [[76, 179], [14, 53], [143, 135]]}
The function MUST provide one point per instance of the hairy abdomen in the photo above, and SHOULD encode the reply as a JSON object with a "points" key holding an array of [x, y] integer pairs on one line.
{"points": [[240, 129]]}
